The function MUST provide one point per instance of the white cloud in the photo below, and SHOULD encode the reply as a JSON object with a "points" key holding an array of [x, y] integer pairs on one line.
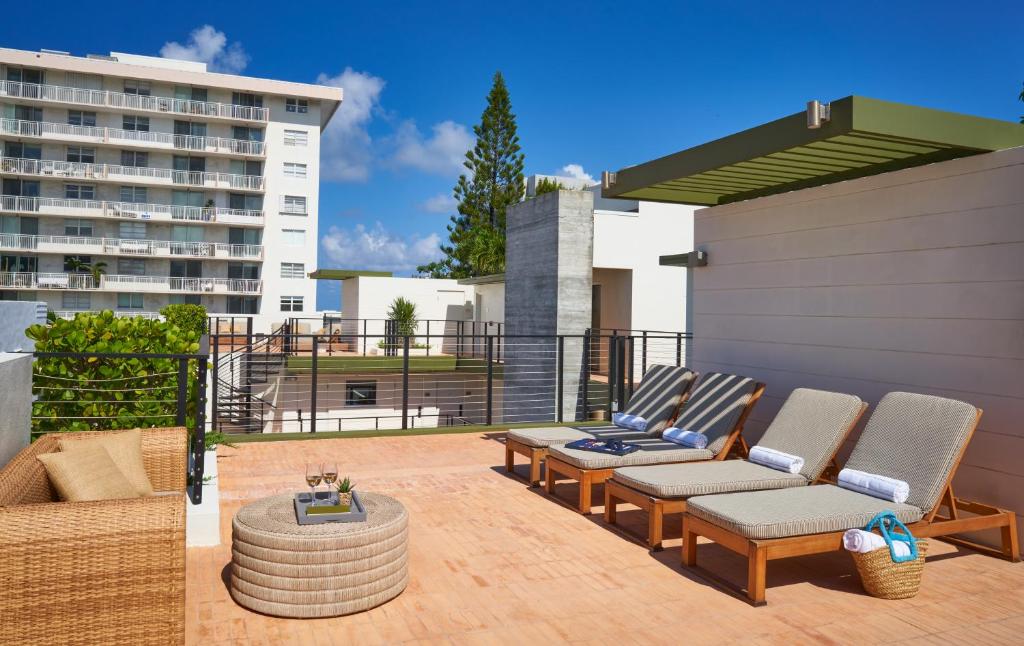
{"points": [[441, 153], [207, 45], [576, 171], [347, 148], [440, 203], [377, 249]]}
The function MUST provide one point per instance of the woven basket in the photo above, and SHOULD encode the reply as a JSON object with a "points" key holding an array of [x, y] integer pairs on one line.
{"points": [[885, 579]]}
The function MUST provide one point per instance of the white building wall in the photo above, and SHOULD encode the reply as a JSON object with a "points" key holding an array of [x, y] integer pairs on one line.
{"points": [[911, 280]]}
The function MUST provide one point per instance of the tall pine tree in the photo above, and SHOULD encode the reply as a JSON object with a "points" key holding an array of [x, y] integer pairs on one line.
{"points": [[476, 236]]}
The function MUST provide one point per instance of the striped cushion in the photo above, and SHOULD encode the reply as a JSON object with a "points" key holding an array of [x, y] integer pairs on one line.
{"points": [[715, 406], [917, 439], [657, 397], [653, 451], [702, 478], [812, 424], [794, 512], [559, 435]]}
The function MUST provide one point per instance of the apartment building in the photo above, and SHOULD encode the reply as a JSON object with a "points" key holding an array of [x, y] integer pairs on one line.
{"points": [[131, 182]]}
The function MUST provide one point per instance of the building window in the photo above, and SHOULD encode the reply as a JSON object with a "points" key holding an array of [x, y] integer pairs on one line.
{"points": [[129, 302], [291, 303], [242, 305], [294, 237], [186, 233], [185, 299], [245, 133], [76, 300], [131, 266], [296, 105], [134, 194], [81, 155], [242, 201], [24, 264], [247, 100], [134, 86], [292, 169], [81, 118], [79, 192], [131, 230], [360, 393], [24, 151], [294, 205], [131, 122], [27, 113], [299, 138], [77, 227], [293, 270], [134, 158], [25, 75], [244, 270]]}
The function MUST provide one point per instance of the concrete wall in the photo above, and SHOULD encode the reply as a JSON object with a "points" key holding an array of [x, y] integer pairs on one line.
{"points": [[16, 404], [15, 317], [548, 280], [911, 280]]}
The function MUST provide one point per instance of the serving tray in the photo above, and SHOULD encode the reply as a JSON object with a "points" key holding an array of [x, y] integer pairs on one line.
{"points": [[357, 513]]}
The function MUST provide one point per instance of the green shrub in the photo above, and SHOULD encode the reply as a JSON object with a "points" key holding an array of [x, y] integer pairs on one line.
{"points": [[403, 312], [547, 185], [95, 393], [189, 318]]}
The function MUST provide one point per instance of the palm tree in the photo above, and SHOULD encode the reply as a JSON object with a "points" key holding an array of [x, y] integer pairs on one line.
{"points": [[97, 269]]}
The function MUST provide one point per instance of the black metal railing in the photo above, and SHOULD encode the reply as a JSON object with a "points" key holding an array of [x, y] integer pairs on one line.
{"points": [[113, 390]]}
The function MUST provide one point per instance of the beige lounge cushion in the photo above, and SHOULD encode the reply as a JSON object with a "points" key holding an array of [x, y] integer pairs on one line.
{"points": [[702, 478], [652, 451], [794, 512], [558, 435], [87, 474], [125, 449]]}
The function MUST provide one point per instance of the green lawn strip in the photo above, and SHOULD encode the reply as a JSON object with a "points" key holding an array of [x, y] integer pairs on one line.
{"points": [[329, 365], [243, 438]]}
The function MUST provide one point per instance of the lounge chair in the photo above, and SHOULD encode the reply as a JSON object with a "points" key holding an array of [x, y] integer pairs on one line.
{"points": [[918, 439], [718, 406], [657, 399], [811, 424]]}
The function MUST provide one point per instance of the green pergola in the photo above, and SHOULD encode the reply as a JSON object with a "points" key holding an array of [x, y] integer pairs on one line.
{"points": [[346, 274], [862, 137]]}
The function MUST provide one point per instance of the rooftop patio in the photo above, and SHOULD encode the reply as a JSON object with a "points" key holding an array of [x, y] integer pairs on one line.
{"points": [[492, 561]]}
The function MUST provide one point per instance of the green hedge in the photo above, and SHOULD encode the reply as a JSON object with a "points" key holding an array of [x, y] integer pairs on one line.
{"points": [[80, 394], [188, 318]]}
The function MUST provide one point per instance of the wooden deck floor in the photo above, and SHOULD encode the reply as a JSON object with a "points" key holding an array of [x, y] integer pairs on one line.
{"points": [[493, 562]]}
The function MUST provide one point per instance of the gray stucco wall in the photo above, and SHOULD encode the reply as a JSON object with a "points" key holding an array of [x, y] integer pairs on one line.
{"points": [[548, 278], [15, 316], [15, 404], [911, 280]]}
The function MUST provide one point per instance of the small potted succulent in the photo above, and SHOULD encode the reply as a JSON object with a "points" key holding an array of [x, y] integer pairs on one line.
{"points": [[345, 489]]}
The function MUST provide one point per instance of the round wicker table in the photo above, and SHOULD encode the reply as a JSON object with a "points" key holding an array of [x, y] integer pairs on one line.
{"points": [[281, 568]]}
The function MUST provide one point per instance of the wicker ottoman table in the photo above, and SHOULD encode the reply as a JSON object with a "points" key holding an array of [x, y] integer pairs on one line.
{"points": [[281, 568]]}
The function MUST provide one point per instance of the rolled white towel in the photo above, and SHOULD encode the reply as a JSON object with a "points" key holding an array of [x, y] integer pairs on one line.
{"points": [[776, 459], [871, 484], [857, 540], [632, 422], [683, 437]]}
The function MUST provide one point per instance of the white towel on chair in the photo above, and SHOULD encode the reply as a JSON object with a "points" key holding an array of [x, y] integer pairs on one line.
{"points": [[632, 422], [776, 459], [871, 484], [857, 540], [689, 439]]}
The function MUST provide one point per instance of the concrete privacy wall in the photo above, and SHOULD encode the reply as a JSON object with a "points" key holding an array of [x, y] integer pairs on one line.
{"points": [[15, 404], [548, 279], [911, 280], [15, 318]]}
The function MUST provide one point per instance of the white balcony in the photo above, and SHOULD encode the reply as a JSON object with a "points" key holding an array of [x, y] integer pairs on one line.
{"points": [[85, 245], [130, 211], [132, 138], [131, 102], [126, 283], [70, 314], [53, 169]]}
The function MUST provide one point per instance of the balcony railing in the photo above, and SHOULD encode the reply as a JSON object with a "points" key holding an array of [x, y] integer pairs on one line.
{"points": [[142, 174], [78, 96], [94, 134], [128, 283], [70, 314], [130, 210], [128, 247]]}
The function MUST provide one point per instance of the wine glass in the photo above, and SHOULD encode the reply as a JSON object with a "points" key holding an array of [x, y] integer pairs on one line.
{"points": [[330, 473], [314, 473]]}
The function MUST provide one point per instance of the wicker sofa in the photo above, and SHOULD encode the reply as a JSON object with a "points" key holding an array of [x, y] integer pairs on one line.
{"points": [[108, 572]]}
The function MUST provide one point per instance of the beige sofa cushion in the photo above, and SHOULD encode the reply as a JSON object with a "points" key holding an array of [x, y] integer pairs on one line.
{"points": [[125, 449], [88, 473]]}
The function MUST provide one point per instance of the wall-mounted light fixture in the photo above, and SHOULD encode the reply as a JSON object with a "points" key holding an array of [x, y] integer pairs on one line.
{"points": [[607, 179], [817, 113]]}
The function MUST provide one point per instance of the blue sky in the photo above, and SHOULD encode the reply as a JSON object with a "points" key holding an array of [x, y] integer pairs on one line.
{"points": [[597, 85]]}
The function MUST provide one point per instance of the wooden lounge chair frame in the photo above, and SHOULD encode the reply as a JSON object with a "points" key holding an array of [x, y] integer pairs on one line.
{"points": [[759, 552], [587, 478], [616, 493], [537, 454]]}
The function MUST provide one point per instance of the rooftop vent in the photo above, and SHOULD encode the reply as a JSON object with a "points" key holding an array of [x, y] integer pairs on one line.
{"points": [[100, 57], [55, 51]]}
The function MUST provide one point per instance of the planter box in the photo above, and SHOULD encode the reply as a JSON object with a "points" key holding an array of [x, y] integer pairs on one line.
{"points": [[202, 527]]}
